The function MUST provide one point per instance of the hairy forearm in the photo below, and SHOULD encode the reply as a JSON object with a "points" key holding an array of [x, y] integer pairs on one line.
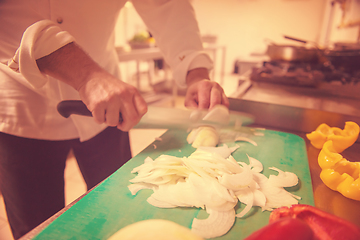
{"points": [[104, 95], [69, 64]]}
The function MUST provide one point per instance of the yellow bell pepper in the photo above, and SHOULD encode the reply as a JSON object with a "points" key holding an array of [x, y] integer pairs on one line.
{"points": [[319, 136], [342, 139], [328, 156], [337, 173], [344, 178]]}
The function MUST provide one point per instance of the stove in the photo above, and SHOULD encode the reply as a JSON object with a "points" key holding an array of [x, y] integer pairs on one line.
{"points": [[304, 74], [303, 84]]}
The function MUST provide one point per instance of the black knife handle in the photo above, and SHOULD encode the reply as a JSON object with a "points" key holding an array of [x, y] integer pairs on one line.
{"points": [[68, 107]]}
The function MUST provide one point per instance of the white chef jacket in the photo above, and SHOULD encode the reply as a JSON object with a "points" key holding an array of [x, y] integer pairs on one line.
{"points": [[30, 29]]}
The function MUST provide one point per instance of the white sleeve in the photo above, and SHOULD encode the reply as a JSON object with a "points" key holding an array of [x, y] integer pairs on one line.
{"points": [[38, 40], [173, 24]]}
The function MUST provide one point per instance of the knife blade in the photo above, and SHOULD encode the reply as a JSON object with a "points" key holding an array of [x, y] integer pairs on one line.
{"points": [[164, 117]]}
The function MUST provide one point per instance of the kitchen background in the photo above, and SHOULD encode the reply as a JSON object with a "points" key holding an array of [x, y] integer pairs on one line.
{"points": [[244, 28]]}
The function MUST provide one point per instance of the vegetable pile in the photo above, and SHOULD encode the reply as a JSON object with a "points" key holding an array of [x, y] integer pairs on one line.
{"points": [[210, 178], [337, 173]]}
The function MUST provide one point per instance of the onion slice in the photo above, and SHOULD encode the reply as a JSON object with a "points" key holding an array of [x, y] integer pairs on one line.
{"points": [[245, 139], [283, 179], [245, 196], [224, 151], [217, 224], [255, 164], [134, 188]]}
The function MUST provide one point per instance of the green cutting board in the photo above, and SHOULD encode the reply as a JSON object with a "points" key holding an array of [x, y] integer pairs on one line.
{"points": [[110, 206]]}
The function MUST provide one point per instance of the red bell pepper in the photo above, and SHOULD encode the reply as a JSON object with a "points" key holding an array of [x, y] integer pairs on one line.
{"points": [[323, 224], [284, 228]]}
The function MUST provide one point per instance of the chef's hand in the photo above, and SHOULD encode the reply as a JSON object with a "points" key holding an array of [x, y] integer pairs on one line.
{"points": [[104, 95], [203, 93]]}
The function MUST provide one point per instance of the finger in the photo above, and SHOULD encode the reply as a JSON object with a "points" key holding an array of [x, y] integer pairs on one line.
{"points": [[191, 100], [129, 119], [140, 104], [215, 97], [130, 113], [191, 103], [204, 94], [99, 114], [112, 113]]}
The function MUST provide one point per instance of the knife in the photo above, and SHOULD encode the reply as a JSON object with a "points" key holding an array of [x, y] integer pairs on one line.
{"points": [[164, 117]]}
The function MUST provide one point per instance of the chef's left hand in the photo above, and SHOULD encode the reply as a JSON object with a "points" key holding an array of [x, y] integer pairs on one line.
{"points": [[203, 93]]}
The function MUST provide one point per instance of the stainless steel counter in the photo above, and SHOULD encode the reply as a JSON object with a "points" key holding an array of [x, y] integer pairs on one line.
{"points": [[300, 121], [330, 97]]}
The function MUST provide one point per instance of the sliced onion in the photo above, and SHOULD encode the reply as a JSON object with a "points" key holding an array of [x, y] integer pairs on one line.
{"points": [[213, 157], [255, 164], [245, 139], [217, 224], [224, 151], [283, 179], [259, 198], [212, 193], [232, 159], [210, 178], [237, 181], [245, 210], [276, 197], [259, 178], [245, 196], [134, 188], [181, 194], [160, 204]]}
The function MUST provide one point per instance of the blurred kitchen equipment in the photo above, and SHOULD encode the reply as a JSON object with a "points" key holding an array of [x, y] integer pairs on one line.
{"points": [[346, 60], [295, 39], [292, 53], [331, 83], [309, 66], [287, 73], [346, 46]]}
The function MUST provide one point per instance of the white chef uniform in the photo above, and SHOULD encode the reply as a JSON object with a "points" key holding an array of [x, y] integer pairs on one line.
{"points": [[31, 29]]}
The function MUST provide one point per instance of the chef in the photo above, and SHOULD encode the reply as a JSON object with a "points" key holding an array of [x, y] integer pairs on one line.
{"points": [[59, 50]]}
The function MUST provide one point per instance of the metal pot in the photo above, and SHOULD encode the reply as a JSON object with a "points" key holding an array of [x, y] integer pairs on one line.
{"points": [[291, 53]]}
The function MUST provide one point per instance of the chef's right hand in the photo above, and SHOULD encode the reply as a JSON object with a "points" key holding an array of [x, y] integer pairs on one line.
{"points": [[107, 97], [104, 95]]}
